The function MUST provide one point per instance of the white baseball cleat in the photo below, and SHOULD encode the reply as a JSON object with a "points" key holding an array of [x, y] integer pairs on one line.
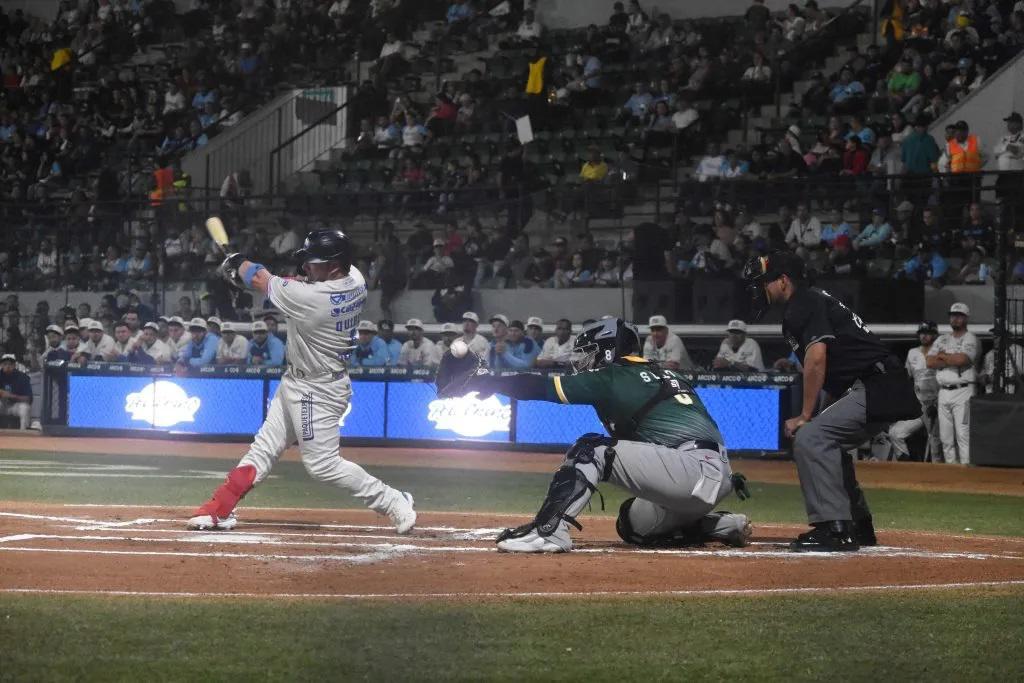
{"points": [[403, 516], [532, 542], [212, 523]]}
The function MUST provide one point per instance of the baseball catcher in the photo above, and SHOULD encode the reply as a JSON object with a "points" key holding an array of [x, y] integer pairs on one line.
{"points": [[663, 447]]}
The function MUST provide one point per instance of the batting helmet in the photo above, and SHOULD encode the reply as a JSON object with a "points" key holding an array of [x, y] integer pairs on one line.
{"points": [[604, 342], [326, 245]]}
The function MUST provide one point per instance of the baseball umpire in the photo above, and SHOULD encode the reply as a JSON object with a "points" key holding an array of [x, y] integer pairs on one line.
{"points": [[867, 385], [664, 447], [321, 312]]}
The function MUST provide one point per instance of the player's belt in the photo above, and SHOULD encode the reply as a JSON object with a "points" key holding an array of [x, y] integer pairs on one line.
{"points": [[961, 385], [702, 444], [302, 374]]}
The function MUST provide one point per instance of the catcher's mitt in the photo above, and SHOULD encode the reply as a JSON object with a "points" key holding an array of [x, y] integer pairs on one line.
{"points": [[454, 374]]}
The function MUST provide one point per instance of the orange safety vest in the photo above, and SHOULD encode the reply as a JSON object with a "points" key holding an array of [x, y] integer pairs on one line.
{"points": [[964, 160]]}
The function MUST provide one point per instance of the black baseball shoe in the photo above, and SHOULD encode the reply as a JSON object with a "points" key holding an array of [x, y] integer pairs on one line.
{"points": [[827, 537], [865, 532]]}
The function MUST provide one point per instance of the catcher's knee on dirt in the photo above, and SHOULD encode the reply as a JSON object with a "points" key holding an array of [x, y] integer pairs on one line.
{"points": [[647, 525]]}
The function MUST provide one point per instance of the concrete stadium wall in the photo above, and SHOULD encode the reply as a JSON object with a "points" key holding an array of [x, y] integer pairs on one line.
{"points": [[549, 304], [576, 13], [45, 9], [985, 109]]}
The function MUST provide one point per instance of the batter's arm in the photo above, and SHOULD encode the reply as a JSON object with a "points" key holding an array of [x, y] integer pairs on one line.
{"points": [[258, 280]]}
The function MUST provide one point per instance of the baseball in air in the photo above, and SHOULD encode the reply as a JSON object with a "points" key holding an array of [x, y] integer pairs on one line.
{"points": [[459, 348]]}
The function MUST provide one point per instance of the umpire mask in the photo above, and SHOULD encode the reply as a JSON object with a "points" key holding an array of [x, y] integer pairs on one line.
{"points": [[761, 270]]}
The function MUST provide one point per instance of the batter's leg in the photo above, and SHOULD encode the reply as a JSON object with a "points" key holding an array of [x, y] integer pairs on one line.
{"points": [[818, 451], [273, 438], [315, 409], [947, 427]]}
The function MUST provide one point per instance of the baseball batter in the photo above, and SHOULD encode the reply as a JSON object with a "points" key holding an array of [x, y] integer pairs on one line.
{"points": [[953, 357], [664, 447], [321, 314]]}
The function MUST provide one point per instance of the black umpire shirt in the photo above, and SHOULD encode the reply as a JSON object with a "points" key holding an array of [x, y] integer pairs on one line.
{"points": [[814, 315]]}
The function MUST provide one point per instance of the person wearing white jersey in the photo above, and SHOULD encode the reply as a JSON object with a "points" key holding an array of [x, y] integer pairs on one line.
{"points": [[151, 349], [233, 348], [738, 351], [476, 343], [176, 337], [953, 356], [417, 350], [557, 351], [449, 333], [1013, 368], [321, 313], [664, 347], [927, 390], [101, 344]]}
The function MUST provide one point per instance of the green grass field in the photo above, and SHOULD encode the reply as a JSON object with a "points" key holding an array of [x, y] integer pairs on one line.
{"points": [[925, 635]]}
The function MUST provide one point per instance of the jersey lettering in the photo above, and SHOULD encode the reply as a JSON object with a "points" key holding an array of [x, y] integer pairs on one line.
{"points": [[856, 318]]}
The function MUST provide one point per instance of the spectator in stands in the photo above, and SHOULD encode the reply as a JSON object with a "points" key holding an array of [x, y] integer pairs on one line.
{"points": [[758, 74], [639, 102], [434, 272], [875, 233], [370, 350], [265, 348], [805, 231], [927, 265], [757, 17], [530, 30], [201, 349], [737, 351], [664, 347], [273, 325], [904, 82], [855, 158], [476, 343], [287, 240], [1009, 153], [15, 391], [417, 350], [886, 160], [151, 350], [834, 228], [594, 169], [978, 232], [535, 329], [843, 260], [233, 348], [577, 274], [712, 165], [848, 94], [974, 271]]}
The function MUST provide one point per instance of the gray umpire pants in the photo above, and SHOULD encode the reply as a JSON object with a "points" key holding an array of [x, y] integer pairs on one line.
{"points": [[674, 487], [826, 472]]}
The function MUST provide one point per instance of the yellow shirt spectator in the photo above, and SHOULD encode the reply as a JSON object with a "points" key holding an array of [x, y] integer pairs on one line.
{"points": [[594, 171], [60, 57]]}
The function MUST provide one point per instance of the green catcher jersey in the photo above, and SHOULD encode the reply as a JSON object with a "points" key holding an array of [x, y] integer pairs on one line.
{"points": [[618, 391]]}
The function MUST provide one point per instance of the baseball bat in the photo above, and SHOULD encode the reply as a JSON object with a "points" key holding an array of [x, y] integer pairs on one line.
{"points": [[215, 228]]}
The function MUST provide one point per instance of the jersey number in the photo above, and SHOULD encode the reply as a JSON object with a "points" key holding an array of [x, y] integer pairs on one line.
{"points": [[856, 318], [682, 398]]}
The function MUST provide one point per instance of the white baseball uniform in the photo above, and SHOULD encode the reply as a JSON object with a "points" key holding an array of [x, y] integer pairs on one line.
{"points": [[673, 350], [98, 350], [927, 390], [235, 352], [159, 351], [179, 344], [315, 390], [956, 387], [559, 353], [749, 353], [1013, 367], [478, 345], [424, 354]]}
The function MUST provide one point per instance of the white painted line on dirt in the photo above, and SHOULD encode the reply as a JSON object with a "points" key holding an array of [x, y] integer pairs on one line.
{"points": [[364, 558], [289, 534], [90, 475], [697, 592]]}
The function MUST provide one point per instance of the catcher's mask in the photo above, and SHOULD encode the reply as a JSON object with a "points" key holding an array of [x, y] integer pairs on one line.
{"points": [[604, 342], [761, 270]]}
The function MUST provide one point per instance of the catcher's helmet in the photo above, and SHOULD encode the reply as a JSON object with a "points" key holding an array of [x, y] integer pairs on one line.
{"points": [[604, 342], [326, 245], [760, 270]]}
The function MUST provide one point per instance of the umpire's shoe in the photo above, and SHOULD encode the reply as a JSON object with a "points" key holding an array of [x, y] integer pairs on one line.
{"points": [[865, 532], [827, 537]]}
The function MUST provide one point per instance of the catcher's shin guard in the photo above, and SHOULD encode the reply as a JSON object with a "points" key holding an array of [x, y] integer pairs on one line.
{"points": [[238, 483]]}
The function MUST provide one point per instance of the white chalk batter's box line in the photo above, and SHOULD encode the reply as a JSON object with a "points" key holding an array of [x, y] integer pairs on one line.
{"points": [[367, 552]]}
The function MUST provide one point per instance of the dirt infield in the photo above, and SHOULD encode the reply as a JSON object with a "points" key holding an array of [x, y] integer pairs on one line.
{"points": [[905, 476], [354, 554]]}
